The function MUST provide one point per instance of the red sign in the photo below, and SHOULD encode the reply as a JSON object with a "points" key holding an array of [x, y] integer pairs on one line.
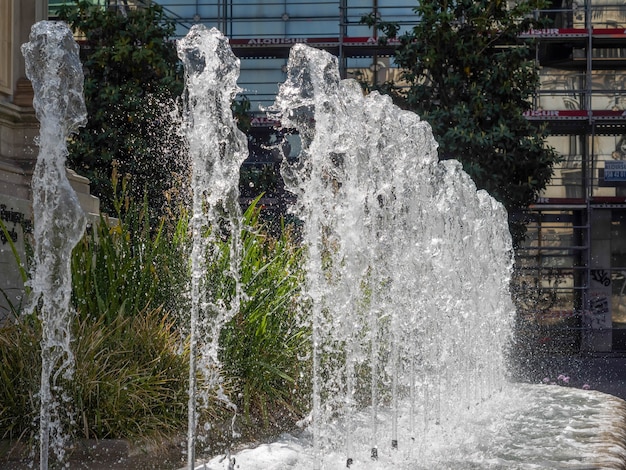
{"points": [[610, 32], [574, 33], [253, 42], [555, 32], [558, 200], [556, 113], [352, 41], [371, 41], [609, 114], [573, 114], [262, 121]]}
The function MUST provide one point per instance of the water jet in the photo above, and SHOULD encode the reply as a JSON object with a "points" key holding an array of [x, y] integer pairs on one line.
{"points": [[217, 148], [55, 71], [408, 273]]}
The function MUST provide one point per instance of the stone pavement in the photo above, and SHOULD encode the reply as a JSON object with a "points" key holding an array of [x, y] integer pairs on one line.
{"points": [[106, 454], [606, 373]]}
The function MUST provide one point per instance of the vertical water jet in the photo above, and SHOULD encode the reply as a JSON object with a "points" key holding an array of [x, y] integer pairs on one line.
{"points": [[217, 149], [55, 71]]}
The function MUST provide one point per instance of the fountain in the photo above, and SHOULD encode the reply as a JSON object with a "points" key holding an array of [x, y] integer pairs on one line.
{"points": [[408, 274], [408, 270], [408, 264], [55, 71], [217, 149]]}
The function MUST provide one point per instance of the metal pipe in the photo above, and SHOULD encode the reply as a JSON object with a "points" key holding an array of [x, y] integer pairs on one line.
{"points": [[375, 36]]}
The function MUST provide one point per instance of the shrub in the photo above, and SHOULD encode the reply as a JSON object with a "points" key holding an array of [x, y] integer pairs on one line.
{"points": [[129, 284], [131, 369], [131, 377], [127, 265], [129, 380], [20, 376], [263, 344]]}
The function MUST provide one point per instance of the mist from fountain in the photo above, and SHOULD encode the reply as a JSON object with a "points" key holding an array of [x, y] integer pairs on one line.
{"points": [[55, 71]]}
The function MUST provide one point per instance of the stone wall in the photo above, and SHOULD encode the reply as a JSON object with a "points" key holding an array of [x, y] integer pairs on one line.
{"points": [[19, 129]]}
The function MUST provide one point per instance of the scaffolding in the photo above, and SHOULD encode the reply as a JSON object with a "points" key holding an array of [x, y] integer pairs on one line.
{"points": [[574, 247]]}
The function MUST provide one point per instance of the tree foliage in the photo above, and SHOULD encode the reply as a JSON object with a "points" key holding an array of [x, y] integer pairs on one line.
{"points": [[132, 80], [469, 74]]}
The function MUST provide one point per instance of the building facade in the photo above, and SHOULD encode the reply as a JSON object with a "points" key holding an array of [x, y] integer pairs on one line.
{"points": [[576, 251], [18, 150], [18, 129]]}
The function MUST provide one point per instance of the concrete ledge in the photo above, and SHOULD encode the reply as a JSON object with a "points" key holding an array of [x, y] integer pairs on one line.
{"points": [[89, 203], [107, 454]]}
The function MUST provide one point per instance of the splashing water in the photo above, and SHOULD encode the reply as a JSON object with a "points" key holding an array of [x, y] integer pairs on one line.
{"points": [[217, 148], [527, 428], [55, 71], [408, 275], [408, 267]]}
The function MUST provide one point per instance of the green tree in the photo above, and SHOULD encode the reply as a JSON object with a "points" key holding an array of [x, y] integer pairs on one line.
{"points": [[132, 81], [468, 73]]}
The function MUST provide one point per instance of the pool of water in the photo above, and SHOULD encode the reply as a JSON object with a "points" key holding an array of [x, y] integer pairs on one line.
{"points": [[523, 427]]}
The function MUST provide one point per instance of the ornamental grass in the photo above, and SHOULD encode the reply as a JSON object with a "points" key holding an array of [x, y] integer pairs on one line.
{"points": [[129, 291]]}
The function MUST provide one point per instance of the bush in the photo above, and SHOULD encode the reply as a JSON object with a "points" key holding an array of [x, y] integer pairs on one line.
{"points": [[129, 287], [126, 265], [129, 379], [263, 344], [131, 367], [20, 376]]}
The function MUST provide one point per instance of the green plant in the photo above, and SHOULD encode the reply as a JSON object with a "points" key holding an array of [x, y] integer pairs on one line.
{"points": [[15, 309], [262, 346], [132, 358], [241, 110], [20, 361], [130, 378], [127, 265], [131, 364], [20, 374]]}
